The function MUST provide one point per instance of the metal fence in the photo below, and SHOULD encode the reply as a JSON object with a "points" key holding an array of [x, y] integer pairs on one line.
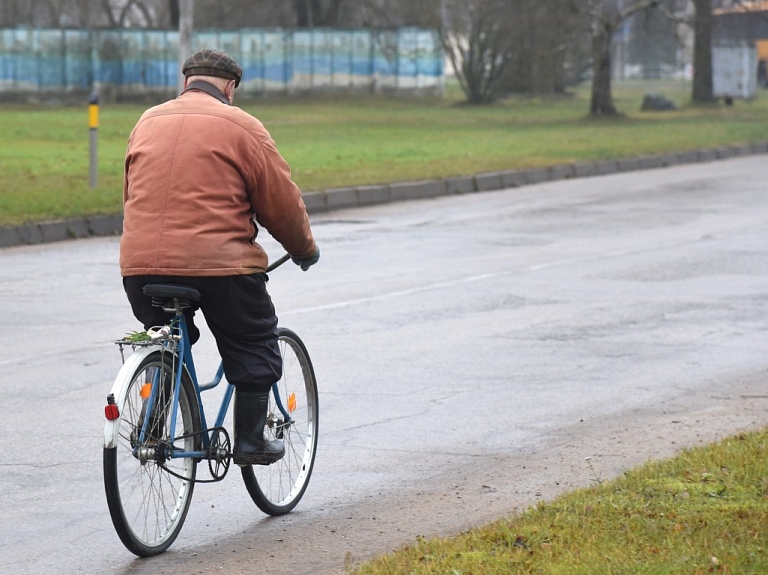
{"points": [[131, 62]]}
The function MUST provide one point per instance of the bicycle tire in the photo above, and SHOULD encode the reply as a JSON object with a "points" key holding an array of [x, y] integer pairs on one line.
{"points": [[147, 503], [277, 488]]}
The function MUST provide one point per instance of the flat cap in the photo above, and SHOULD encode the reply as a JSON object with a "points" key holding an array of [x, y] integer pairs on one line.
{"points": [[209, 62]]}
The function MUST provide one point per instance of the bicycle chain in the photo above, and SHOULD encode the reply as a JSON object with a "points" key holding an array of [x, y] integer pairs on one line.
{"points": [[216, 478]]}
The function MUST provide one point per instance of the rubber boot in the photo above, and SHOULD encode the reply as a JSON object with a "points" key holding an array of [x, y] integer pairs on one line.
{"points": [[250, 418]]}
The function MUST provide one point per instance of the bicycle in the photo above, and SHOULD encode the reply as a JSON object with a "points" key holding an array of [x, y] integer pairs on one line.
{"points": [[156, 431]]}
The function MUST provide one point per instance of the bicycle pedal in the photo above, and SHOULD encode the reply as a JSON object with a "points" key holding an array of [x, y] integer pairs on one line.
{"points": [[256, 461]]}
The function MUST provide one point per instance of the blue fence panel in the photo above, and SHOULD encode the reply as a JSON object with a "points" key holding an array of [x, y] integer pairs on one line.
{"points": [[147, 60], [362, 64], [158, 69], [322, 55], [77, 60], [278, 68], [386, 56]]}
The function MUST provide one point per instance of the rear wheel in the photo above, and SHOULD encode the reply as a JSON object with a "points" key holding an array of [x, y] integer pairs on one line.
{"points": [[277, 488], [148, 493]]}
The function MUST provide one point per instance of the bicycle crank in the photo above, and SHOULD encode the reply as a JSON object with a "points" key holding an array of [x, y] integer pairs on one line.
{"points": [[219, 454]]}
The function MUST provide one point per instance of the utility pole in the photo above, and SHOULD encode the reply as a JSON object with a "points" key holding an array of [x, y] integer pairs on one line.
{"points": [[186, 29]]}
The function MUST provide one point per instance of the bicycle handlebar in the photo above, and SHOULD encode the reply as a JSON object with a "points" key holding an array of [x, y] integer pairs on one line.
{"points": [[279, 262]]}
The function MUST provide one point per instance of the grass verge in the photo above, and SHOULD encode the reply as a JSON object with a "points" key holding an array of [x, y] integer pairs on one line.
{"points": [[333, 141], [703, 512]]}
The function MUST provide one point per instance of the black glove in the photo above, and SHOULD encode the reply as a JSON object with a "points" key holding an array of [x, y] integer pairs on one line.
{"points": [[305, 263]]}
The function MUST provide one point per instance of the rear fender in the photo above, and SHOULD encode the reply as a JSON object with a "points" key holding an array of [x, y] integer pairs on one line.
{"points": [[120, 390]]}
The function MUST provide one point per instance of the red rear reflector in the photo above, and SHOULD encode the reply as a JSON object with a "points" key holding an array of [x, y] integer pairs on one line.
{"points": [[111, 412]]}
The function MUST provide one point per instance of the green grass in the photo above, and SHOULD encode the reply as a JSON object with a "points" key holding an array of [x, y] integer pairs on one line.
{"points": [[339, 141], [703, 512]]}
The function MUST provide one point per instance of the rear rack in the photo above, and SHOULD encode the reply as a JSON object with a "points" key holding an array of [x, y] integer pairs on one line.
{"points": [[161, 336]]}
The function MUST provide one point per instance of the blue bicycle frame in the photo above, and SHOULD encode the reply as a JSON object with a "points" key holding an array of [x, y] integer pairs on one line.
{"points": [[184, 351]]}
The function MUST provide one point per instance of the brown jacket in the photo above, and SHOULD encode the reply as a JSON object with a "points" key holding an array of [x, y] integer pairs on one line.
{"points": [[197, 173]]}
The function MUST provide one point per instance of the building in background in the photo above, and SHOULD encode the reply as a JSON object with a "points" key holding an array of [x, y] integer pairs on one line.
{"points": [[745, 24]]}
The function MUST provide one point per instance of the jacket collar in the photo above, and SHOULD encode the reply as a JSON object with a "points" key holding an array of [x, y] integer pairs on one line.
{"points": [[208, 89]]}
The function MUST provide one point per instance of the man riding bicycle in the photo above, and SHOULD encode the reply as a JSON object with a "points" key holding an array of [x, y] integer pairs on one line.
{"points": [[200, 176]]}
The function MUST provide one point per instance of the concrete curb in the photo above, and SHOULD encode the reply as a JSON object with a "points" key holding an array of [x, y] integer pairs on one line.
{"points": [[46, 232], [351, 197]]}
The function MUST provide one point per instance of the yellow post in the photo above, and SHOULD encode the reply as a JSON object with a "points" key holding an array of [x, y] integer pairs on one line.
{"points": [[93, 125]]}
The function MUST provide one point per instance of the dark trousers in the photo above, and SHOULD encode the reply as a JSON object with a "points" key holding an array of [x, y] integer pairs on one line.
{"points": [[239, 313]]}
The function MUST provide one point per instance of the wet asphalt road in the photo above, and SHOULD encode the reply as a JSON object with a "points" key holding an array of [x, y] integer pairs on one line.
{"points": [[448, 335]]}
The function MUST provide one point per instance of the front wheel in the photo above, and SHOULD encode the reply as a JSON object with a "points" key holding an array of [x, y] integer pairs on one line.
{"points": [[277, 488], [149, 492]]}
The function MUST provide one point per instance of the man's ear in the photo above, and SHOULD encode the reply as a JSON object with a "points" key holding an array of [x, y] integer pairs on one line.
{"points": [[229, 90]]}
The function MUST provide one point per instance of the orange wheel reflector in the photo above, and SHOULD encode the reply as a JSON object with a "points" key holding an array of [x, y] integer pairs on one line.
{"points": [[292, 402], [146, 389]]}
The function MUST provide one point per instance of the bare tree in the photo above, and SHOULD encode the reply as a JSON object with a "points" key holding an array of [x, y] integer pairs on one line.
{"points": [[55, 9], [236, 14], [390, 13], [11, 13], [701, 21], [655, 41], [702, 91], [549, 46], [607, 16], [220, 14], [476, 41], [83, 13], [51, 13], [48, 13], [500, 46], [311, 13], [173, 14], [138, 13]]}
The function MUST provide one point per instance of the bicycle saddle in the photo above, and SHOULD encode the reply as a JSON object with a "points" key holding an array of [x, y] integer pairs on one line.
{"points": [[171, 291]]}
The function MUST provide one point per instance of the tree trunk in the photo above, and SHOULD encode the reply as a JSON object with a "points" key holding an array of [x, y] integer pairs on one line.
{"points": [[54, 12], [310, 13], [702, 53], [148, 17], [602, 99], [332, 13], [303, 13], [186, 29], [173, 11], [318, 16], [607, 16], [107, 7]]}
